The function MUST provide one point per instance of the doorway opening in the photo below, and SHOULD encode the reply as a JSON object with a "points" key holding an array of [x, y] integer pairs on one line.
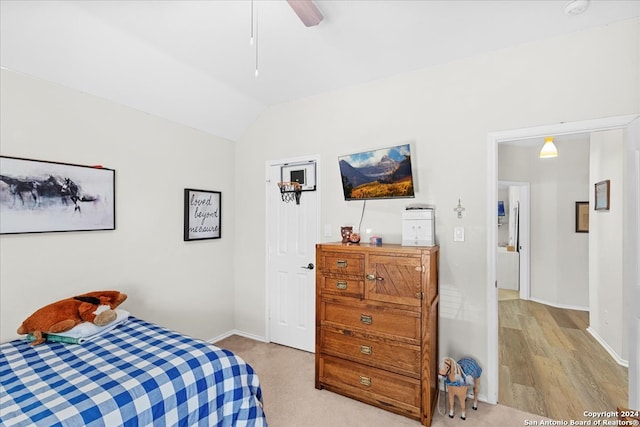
{"points": [[631, 278], [546, 347], [513, 257]]}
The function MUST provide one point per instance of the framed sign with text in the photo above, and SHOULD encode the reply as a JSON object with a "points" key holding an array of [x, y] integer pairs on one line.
{"points": [[202, 214]]}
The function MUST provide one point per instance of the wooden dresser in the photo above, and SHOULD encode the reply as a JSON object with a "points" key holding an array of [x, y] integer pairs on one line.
{"points": [[377, 325]]}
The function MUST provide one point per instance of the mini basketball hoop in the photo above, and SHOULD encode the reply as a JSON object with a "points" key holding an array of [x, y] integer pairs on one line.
{"points": [[290, 191]]}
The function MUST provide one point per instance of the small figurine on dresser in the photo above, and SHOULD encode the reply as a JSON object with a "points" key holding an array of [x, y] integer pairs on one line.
{"points": [[349, 236], [346, 233]]}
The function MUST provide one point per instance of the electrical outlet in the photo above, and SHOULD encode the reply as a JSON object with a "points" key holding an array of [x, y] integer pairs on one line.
{"points": [[458, 234]]}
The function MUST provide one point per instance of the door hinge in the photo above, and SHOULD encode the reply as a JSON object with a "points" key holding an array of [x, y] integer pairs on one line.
{"points": [[420, 295]]}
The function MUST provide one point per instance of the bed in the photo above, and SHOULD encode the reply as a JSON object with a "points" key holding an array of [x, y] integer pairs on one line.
{"points": [[138, 374]]}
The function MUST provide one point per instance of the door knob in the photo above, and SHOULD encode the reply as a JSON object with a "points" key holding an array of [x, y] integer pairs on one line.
{"points": [[309, 267]]}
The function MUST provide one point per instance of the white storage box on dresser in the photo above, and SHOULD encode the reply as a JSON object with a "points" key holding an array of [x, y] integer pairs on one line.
{"points": [[377, 325], [418, 227]]}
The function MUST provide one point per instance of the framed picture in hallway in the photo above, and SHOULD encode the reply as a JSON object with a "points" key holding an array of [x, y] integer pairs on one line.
{"points": [[602, 195], [582, 217]]}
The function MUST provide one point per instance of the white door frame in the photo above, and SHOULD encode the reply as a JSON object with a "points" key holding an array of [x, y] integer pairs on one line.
{"points": [[493, 139], [632, 271], [270, 163]]}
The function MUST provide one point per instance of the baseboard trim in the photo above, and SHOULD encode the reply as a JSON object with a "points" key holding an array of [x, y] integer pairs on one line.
{"points": [[619, 360], [236, 332], [563, 306]]}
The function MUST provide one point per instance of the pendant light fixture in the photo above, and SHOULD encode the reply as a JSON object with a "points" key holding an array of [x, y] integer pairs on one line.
{"points": [[548, 149]]}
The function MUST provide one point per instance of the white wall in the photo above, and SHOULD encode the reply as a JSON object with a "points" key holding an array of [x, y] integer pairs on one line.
{"points": [[446, 112], [187, 286], [559, 255], [607, 316]]}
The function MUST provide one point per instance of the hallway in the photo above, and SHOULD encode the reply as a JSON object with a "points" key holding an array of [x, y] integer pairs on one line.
{"points": [[551, 366]]}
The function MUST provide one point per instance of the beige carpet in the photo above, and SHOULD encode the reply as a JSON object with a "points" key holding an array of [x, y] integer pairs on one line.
{"points": [[291, 400]]}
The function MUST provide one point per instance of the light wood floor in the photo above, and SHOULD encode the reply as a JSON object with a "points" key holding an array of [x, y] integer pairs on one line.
{"points": [[551, 366]]}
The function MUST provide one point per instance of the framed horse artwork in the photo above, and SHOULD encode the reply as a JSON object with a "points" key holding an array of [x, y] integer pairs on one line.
{"points": [[38, 196]]}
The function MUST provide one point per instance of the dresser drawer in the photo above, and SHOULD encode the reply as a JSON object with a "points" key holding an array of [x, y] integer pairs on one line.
{"points": [[371, 384], [338, 285], [402, 358], [341, 263], [375, 320]]}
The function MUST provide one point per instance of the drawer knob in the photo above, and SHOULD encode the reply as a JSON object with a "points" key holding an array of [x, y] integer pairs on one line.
{"points": [[341, 285], [374, 277], [365, 380], [341, 263], [366, 349], [367, 319]]}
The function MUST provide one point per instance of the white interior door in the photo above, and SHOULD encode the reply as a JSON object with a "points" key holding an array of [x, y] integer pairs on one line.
{"points": [[292, 232]]}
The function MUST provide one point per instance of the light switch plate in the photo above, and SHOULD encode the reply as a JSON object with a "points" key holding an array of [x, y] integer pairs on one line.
{"points": [[327, 230], [458, 234]]}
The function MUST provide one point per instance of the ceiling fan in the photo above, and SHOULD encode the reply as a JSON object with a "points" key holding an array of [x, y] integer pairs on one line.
{"points": [[307, 11]]}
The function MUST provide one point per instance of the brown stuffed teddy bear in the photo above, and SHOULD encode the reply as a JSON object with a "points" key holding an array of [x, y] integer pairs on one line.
{"points": [[67, 313]]}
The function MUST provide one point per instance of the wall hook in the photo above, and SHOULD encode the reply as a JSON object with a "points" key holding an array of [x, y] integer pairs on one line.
{"points": [[459, 209]]}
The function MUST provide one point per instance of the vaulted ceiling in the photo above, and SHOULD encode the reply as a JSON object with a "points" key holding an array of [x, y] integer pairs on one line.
{"points": [[191, 61]]}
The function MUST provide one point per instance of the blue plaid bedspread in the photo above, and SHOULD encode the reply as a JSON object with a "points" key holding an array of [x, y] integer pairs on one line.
{"points": [[140, 374]]}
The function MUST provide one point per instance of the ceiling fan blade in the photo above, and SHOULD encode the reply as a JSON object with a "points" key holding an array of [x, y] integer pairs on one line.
{"points": [[306, 11]]}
